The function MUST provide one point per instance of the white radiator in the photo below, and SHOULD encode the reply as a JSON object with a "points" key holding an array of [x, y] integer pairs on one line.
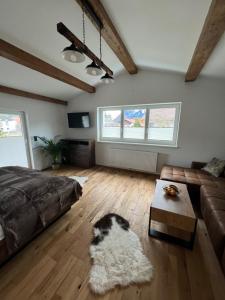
{"points": [[133, 159]]}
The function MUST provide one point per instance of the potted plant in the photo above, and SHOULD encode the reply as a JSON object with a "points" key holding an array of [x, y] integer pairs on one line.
{"points": [[54, 148]]}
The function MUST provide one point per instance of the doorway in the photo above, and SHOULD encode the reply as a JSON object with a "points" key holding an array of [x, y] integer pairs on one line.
{"points": [[14, 145]]}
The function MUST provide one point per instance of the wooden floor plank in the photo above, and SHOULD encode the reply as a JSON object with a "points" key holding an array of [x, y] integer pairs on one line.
{"points": [[56, 264]]}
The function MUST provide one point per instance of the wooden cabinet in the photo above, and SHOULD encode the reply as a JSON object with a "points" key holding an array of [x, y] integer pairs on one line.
{"points": [[80, 153]]}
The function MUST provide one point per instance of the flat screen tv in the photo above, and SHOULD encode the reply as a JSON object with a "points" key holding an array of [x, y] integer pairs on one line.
{"points": [[79, 120]]}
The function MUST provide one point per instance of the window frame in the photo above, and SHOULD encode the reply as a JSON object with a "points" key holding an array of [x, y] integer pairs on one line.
{"points": [[144, 141]]}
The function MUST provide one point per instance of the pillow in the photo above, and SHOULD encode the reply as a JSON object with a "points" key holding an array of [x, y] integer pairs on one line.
{"points": [[215, 167]]}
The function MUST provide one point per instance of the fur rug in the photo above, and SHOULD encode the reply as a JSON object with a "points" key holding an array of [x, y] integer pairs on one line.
{"points": [[80, 179], [117, 255]]}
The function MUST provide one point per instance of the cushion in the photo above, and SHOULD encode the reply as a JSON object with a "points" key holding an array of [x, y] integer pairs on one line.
{"points": [[215, 167]]}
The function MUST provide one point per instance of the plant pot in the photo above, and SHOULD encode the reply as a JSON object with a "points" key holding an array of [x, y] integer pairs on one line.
{"points": [[55, 166]]}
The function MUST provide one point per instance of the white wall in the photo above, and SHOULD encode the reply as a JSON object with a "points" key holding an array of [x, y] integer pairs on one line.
{"points": [[44, 119], [202, 133]]}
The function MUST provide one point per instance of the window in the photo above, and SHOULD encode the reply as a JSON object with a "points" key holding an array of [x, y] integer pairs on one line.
{"points": [[10, 125], [134, 123], [111, 123], [161, 123], [155, 124]]}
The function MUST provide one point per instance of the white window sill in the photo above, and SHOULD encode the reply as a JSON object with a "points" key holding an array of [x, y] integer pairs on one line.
{"points": [[137, 143]]}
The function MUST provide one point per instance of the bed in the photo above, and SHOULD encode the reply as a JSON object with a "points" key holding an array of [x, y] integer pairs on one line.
{"points": [[29, 202]]}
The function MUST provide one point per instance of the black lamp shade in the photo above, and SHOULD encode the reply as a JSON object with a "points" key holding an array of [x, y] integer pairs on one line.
{"points": [[107, 78], [73, 54], [93, 69]]}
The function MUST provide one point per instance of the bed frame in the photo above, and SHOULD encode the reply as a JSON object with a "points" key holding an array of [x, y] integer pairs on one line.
{"points": [[5, 257]]}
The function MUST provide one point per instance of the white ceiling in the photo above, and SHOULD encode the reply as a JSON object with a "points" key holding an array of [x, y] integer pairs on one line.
{"points": [[159, 34]]}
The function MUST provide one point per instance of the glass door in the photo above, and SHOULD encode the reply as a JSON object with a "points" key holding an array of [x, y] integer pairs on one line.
{"points": [[14, 148]]}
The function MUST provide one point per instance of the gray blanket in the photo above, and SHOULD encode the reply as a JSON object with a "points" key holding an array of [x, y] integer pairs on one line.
{"points": [[30, 200]]}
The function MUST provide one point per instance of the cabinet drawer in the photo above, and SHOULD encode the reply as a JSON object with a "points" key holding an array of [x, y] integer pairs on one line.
{"points": [[80, 147], [79, 152]]}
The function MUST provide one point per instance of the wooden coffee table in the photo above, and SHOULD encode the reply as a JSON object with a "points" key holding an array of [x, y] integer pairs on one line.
{"points": [[174, 212]]}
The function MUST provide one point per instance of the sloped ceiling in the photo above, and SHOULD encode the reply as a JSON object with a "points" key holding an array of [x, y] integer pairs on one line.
{"points": [[158, 34]]}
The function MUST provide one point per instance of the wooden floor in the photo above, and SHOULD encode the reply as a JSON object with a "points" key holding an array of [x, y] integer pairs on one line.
{"points": [[56, 264]]}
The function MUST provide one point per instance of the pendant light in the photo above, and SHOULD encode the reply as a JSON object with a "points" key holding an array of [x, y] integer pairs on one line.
{"points": [[77, 51], [107, 78], [93, 69], [72, 53]]}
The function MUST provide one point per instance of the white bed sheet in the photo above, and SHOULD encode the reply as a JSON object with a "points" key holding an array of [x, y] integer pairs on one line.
{"points": [[2, 236]]}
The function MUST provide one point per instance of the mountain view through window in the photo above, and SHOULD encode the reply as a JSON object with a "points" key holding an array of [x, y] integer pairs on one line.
{"points": [[134, 123]]}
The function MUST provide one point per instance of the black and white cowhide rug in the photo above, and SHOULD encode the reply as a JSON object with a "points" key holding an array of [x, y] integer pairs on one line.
{"points": [[117, 255]]}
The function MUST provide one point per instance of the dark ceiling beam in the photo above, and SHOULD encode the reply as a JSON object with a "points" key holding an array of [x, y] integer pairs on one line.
{"points": [[212, 31], [33, 96], [63, 30], [26, 59], [109, 33]]}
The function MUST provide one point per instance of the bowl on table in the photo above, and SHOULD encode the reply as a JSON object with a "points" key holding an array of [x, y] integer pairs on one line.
{"points": [[171, 190]]}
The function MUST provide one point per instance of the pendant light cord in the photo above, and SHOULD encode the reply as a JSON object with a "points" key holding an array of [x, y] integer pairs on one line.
{"points": [[100, 50], [83, 25]]}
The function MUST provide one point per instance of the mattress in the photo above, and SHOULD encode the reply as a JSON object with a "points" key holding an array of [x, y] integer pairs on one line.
{"points": [[33, 199]]}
